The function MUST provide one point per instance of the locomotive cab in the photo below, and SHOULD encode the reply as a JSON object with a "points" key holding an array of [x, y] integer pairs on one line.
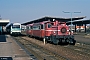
{"points": [[58, 32]]}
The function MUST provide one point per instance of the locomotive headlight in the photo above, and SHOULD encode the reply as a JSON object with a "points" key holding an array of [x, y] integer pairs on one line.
{"points": [[67, 30], [54, 31]]}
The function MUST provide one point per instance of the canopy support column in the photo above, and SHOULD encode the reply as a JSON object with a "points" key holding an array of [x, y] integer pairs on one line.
{"points": [[75, 27], [85, 28]]}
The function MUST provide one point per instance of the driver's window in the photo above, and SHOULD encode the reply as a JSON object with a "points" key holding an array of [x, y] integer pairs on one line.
{"points": [[49, 25]]}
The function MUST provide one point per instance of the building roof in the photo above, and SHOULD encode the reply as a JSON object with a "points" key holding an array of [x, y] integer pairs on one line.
{"points": [[4, 22]]}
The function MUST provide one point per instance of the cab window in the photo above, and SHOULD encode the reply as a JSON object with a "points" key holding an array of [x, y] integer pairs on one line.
{"points": [[49, 25]]}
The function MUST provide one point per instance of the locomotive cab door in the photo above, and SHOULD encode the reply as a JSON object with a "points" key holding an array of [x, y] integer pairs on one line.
{"points": [[27, 29], [45, 27], [44, 35], [48, 30]]}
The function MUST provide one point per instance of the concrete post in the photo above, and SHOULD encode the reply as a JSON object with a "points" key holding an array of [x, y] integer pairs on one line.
{"points": [[75, 27], [85, 28], [44, 41]]}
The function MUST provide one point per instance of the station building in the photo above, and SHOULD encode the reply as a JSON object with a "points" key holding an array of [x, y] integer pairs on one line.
{"points": [[3, 23]]}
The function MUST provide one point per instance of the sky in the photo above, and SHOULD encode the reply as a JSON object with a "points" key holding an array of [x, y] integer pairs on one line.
{"points": [[27, 10]]}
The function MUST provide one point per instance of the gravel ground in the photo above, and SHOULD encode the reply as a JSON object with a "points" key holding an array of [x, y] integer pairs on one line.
{"points": [[83, 38], [68, 53]]}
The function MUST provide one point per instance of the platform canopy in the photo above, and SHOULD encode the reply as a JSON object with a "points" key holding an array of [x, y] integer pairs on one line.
{"points": [[78, 22], [4, 22], [51, 19]]}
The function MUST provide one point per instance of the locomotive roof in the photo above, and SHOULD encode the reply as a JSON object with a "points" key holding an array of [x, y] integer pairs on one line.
{"points": [[12, 24], [51, 19]]}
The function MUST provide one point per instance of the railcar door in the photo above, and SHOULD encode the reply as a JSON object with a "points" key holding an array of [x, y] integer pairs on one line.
{"points": [[27, 30], [48, 29], [42, 30], [45, 29]]}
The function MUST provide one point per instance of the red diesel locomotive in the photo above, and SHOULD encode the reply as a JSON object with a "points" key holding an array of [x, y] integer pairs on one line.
{"points": [[55, 32]]}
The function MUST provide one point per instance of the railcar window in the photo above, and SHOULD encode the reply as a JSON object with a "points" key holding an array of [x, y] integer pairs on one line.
{"points": [[49, 25], [41, 26], [16, 26], [35, 27], [31, 27], [27, 27]]}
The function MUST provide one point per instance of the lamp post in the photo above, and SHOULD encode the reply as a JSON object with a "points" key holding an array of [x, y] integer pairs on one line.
{"points": [[71, 17]]}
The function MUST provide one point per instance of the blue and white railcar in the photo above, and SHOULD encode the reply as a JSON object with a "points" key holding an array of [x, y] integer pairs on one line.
{"points": [[14, 28]]}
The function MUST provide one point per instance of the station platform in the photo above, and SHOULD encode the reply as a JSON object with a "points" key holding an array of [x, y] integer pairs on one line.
{"points": [[10, 50]]}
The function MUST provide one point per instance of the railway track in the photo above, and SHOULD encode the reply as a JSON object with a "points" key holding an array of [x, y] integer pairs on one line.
{"points": [[83, 49], [80, 49], [40, 52], [56, 52]]}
